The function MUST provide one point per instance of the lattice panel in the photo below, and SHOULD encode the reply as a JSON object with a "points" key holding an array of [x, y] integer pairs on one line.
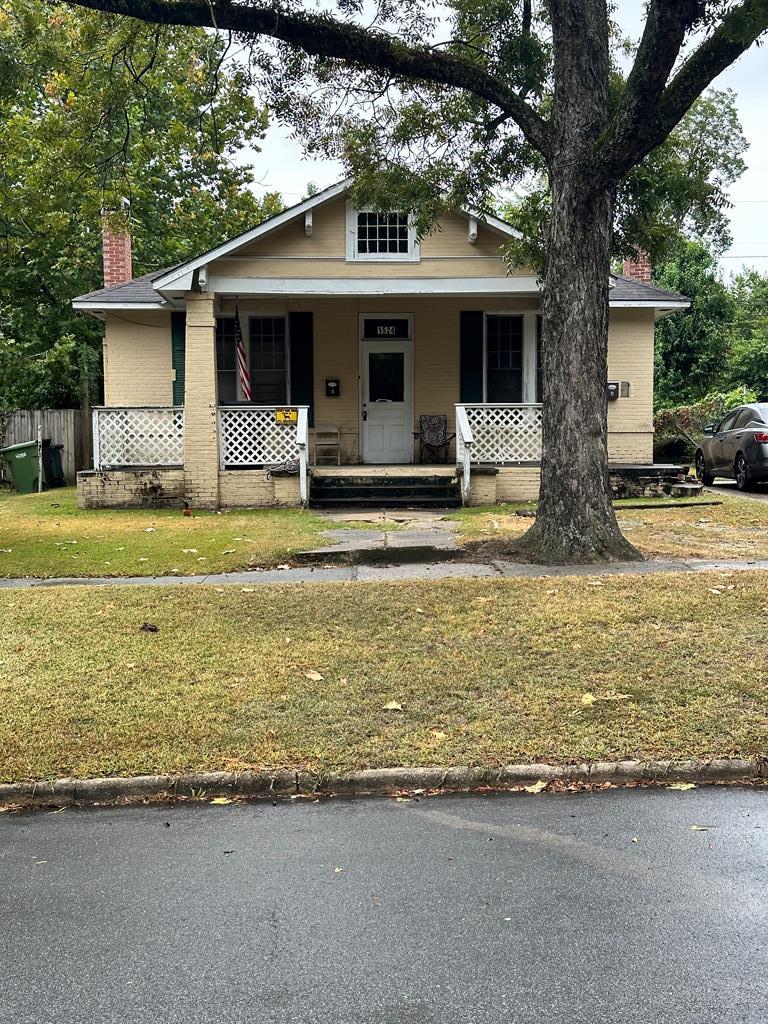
{"points": [[505, 433], [139, 437], [250, 436]]}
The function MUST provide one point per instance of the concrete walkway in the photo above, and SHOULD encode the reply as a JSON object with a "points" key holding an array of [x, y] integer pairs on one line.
{"points": [[381, 573], [428, 538]]}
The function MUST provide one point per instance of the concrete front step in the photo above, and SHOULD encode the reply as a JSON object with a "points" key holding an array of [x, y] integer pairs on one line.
{"points": [[401, 491], [378, 501]]}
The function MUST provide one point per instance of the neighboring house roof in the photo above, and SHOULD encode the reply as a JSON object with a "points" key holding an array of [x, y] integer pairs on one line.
{"points": [[145, 292]]}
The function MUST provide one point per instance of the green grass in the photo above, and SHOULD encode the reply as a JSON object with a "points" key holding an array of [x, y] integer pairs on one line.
{"points": [[737, 528], [46, 535], [487, 672]]}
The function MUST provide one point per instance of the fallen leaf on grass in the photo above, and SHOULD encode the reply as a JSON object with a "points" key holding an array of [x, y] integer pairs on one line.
{"points": [[228, 551], [537, 787], [246, 590], [221, 800], [149, 529], [439, 734], [588, 699], [682, 785], [316, 677], [189, 551], [149, 627], [392, 705]]}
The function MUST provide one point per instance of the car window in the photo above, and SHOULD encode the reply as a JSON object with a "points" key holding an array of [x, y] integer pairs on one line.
{"points": [[746, 417], [730, 419]]}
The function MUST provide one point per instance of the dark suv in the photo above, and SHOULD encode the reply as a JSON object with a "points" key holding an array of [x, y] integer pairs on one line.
{"points": [[736, 447]]}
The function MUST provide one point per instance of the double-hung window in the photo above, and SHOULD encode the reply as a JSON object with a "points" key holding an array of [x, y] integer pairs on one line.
{"points": [[268, 362], [376, 235], [503, 359], [226, 360]]}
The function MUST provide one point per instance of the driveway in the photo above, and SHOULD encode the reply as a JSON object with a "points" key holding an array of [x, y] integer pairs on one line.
{"points": [[728, 487], [560, 909]]}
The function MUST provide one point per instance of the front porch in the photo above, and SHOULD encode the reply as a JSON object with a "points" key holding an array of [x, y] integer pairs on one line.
{"points": [[265, 455]]}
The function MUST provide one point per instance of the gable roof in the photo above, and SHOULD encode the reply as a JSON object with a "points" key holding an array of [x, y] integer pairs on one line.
{"points": [[145, 292], [170, 279]]}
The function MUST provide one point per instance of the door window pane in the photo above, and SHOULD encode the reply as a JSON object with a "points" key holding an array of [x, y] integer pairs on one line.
{"points": [[268, 369], [747, 416], [728, 422], [386, 377], [504, 365]]}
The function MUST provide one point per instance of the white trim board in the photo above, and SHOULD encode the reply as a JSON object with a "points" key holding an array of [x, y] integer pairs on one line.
{"points": [[339, 286]]}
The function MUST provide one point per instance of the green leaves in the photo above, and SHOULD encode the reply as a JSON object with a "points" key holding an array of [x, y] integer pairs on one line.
{"points": [[96, 110]]}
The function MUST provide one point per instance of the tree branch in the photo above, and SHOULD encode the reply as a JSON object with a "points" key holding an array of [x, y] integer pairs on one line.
{"points": [[627, 142], [324, 36]]}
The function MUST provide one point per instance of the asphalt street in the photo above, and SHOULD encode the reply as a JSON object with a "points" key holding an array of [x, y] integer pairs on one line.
{"points": [[606, 908]]}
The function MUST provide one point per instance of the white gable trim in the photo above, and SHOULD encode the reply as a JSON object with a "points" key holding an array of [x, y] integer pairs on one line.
{"points": [[180, 278], [187, 269]]}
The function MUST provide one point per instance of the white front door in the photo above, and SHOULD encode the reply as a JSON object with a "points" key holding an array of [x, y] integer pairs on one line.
{"points": [[386, 385]]}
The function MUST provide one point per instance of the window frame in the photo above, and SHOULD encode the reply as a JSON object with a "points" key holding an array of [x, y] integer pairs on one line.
{"points": [[245, 325], [238, 392], [353, 256], [248, 343], [735, 413], [528, 318]]}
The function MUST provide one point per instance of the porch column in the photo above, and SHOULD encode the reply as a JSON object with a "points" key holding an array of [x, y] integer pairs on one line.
{"points": [[201, 447]]}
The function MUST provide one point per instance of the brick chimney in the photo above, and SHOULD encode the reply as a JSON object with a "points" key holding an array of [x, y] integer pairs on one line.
{"points": [[639, 269], [116, 249]]}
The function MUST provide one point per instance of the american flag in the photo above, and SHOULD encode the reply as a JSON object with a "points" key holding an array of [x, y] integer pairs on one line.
{"points": [[242, 365]]}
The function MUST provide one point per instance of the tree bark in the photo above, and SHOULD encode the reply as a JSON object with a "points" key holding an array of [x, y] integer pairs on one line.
{"points": [[575, 521]]}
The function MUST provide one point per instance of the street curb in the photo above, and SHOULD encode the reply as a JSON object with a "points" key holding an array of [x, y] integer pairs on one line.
{"points": [[373, 782]]}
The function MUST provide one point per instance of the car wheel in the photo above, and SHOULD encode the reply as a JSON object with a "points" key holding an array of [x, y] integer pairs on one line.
{"points": [[701, 471], [741, 473]]}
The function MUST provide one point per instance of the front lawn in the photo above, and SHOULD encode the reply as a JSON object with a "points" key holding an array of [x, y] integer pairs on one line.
{"points": [[487, 672], [737, 528], [47, 535]]}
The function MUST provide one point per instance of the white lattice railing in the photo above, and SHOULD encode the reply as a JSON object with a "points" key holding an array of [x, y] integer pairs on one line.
{"points": [[251, 436], [139, 436], [499, 433]]}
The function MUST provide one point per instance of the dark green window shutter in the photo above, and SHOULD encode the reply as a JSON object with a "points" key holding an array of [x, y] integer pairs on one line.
{"points": [[471, 356], [178, 331], [302, 361]]}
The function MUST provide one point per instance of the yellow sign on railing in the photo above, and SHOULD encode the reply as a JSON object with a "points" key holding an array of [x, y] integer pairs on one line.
{"points": [[286, 415]]}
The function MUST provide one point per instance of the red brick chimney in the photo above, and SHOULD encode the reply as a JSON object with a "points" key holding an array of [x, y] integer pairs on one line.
{"points": [[116, 249], [639, 269]]}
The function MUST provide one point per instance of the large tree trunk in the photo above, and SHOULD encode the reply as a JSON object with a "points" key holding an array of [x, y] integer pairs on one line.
{"points": [[575, 521]]}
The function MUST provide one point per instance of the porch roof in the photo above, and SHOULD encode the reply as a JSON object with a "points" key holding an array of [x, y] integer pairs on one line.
{"points": [[141, 293]]}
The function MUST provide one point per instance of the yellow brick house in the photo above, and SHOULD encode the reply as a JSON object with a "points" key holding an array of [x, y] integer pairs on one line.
{"points": [[351, 330]]}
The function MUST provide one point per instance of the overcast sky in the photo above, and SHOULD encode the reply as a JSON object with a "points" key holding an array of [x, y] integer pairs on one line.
{"points": [[282, 167]]}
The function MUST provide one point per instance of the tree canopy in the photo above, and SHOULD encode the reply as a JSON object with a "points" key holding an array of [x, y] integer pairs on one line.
{"points": [[96, 112]]}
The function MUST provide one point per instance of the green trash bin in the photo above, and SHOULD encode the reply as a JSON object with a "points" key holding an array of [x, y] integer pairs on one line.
{"points": [[22, 460]]}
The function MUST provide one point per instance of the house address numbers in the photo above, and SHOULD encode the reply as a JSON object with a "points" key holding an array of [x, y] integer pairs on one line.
{"points": [[378, 327]]}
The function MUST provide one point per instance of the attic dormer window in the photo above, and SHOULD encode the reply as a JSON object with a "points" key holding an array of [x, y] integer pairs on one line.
{"points": [[374, 235]]}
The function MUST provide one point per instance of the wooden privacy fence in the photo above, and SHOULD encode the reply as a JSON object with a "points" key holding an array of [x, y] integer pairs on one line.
{"points": [[68, 427]]}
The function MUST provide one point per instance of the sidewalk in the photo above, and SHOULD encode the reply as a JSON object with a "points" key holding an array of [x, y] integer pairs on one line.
{"points": [[404, 571]]}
